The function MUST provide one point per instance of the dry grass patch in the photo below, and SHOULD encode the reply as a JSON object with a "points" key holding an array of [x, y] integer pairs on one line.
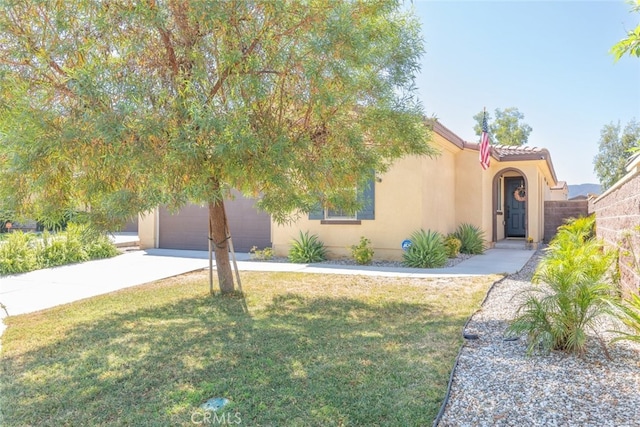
{"points": [[298, 349]]}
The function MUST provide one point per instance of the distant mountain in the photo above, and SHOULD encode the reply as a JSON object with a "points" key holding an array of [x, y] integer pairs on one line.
{"points": [[584, 189]]}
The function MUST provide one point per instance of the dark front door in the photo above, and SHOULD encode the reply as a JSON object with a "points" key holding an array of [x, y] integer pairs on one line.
{"points": [[516, 211]]}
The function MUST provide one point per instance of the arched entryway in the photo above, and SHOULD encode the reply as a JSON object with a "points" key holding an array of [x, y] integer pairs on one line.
{"points": [[510, 202]]}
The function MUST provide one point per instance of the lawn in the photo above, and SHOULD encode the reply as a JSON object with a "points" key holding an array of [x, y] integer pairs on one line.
{"points": [[296, 350]]}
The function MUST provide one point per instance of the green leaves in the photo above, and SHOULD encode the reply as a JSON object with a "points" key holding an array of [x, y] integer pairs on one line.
{"points": [[115, 108], [506, 128], [631, 43], [427, 250], [614, 149], [471, 239], [307, 249], [575, 294]]}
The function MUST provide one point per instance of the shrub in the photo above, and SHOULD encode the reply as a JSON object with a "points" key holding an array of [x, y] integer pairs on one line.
{"points": [[362, 252], [630, 316], [63, 248], [261, 254], [471, 237], [17, 253], [101, 247], [427, 250], [559, 317], [307, 249], [452, 245]]}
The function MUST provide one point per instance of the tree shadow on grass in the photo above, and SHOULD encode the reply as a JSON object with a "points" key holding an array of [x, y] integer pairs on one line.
{"points": [[299, 361]]}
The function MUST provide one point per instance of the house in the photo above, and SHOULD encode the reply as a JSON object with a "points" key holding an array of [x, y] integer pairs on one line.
{"points": [[560, 191], [188, 229], [417, 192]]}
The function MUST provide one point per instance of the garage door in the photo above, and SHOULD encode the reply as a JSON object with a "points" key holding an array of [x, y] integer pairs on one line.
{"points": [[187, 229]]}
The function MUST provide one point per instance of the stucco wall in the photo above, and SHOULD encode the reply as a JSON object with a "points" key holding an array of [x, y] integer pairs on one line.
{"points": [[469, 188], [617, 216], [416, 192], [398, 212], [537, 192]]}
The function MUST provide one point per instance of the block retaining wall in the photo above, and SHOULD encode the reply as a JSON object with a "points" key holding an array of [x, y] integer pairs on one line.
{"points": [[556, 212], [617, 221]]}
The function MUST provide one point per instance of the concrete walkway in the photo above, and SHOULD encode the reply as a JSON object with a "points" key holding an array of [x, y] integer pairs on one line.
{"points": [[41, 289]]}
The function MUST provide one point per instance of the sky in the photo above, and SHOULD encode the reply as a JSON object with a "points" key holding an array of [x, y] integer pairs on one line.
{"points": [[549, 59]]}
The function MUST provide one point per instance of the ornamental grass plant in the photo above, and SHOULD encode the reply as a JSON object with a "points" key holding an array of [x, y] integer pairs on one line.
{"points": [[427, 250], [307, 248], [573, 292], [471, 237]]}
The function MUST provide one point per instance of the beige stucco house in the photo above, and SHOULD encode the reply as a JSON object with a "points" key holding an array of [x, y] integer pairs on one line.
{"points": [[506, 200]]}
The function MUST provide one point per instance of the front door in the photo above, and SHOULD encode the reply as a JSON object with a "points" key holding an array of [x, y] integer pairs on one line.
{"points": [[516, 211]]}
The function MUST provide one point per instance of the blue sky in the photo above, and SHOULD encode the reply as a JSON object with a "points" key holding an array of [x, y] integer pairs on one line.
{"points": [[550, 59]]}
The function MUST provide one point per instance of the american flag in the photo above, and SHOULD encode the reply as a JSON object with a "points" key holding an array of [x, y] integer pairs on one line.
{"points": [[484, 144]]}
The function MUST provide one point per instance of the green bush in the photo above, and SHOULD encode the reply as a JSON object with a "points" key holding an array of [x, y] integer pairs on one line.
{"points": [[472, 239], [17, 253], [261, 254], [62, 248], [427, 250], [630, 315], [21, 252], [307, 249], [559, 316], [452, 245], [362, 252], [101, 247]]}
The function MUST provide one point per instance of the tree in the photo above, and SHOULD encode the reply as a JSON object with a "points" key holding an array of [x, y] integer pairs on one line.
{"points": [[614, 149], [114, 108], [631, 43], [506, 129]]}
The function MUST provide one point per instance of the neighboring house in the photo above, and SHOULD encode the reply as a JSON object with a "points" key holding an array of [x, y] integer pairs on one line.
{"points": [[440, 193], [560, 191], [188, 229]]}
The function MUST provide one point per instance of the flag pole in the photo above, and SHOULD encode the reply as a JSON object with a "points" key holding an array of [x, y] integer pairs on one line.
{"points": [[483, 148]]}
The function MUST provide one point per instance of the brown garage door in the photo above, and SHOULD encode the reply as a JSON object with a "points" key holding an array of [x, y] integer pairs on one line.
{"points": [[187, 229]]}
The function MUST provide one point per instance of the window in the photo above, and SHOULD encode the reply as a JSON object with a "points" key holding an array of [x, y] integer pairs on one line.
{"points": [[338, 215]]}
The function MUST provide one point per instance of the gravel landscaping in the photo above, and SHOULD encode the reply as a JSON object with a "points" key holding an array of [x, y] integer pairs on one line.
{"points": [[496, 384], [375, 263]]}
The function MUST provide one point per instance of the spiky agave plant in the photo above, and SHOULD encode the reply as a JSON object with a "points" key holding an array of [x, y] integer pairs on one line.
{"points": [[307, 248], [472, 239], [427, 250]]}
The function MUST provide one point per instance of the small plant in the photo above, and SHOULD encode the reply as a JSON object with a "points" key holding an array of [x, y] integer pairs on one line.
{"points": [[472, 239], [307, 249], [101, 247], [363, 252], [63, 248], [261, 254], [453, 245], [427, 250], [558, 316], [630, 316], [17, 253]]}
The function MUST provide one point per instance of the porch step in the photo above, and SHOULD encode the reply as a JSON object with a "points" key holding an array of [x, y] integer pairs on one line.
{"points": [[511, 244]]}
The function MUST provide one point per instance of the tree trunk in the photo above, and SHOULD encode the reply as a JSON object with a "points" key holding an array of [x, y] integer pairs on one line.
{"points": [[218, 234]]}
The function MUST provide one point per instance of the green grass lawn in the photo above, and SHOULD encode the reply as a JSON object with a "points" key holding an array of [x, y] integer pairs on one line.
{"points": [[297, 350]]}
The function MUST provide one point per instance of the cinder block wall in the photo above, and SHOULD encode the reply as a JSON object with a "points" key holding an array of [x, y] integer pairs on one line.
{"points": [[617, 216], [557, 211]]}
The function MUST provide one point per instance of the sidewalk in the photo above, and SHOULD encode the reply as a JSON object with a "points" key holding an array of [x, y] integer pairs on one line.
{"points": [[41, 289]]}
